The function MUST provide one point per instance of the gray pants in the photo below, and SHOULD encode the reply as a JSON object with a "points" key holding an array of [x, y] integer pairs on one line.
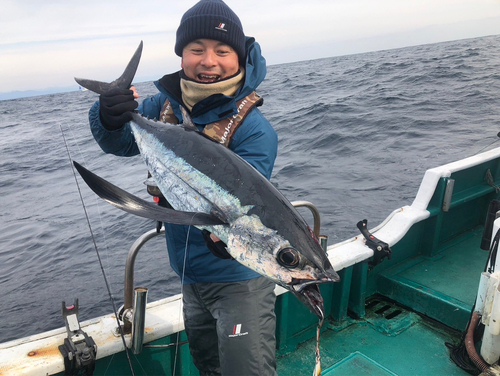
{"points": [[231, 327]]}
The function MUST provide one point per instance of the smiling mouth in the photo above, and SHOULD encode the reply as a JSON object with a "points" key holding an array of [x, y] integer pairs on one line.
{"points": [[208, 77]]}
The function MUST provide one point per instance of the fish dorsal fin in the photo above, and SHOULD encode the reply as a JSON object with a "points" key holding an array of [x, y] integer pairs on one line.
{"points": [[135, 205], [123, 82], [186, 120]]}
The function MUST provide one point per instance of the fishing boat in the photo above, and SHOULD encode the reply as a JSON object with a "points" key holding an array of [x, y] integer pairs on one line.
{"points": [[418, 295]]}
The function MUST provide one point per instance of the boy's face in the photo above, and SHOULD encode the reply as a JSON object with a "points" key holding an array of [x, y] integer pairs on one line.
{"points": [[208, 60]]}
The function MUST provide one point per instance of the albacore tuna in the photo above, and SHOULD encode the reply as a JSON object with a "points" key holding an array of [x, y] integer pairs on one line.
{"points": [[212, 188]]}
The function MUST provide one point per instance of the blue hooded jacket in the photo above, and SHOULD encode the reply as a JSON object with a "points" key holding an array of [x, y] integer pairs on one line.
{"points": [[254, 140]]}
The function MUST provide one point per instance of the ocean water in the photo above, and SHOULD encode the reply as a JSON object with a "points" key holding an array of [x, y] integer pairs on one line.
{"points": [[356, 134]]}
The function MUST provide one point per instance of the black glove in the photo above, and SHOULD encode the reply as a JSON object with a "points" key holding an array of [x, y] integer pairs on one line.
{"points": [[115, 107], [218, 249]]}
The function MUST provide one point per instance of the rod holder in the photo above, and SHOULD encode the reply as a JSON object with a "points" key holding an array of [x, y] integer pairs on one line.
{"points": [[314, 211], [139, 319], [129, 277], [323, 241]]}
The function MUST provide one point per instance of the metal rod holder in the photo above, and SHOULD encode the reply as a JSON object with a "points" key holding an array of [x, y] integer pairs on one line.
{"points": [[129, 276], [323, 241], [314, 211], [139, 320]]}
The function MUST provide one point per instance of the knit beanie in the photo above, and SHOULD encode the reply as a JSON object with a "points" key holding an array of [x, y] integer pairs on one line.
{"points": [[211, 19]]}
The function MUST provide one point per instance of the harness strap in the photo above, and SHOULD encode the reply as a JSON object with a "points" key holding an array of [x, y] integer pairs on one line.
{"points": [[222, 130], [167, 114]]}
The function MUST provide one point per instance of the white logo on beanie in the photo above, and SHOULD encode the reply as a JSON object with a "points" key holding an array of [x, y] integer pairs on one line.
{"points": [[221, 27]]}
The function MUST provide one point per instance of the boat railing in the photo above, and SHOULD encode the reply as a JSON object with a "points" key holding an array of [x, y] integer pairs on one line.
{"points": [[127, 314]]}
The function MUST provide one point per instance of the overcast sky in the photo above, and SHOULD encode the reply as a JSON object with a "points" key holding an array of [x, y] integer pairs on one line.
{"points": [[47, 43]]}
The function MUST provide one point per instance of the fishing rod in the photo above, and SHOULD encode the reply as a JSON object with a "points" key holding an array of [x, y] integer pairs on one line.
{"points": [[122, 335]]}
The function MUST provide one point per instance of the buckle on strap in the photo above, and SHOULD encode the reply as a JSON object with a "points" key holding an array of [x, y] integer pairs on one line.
{"points": [[79, 350]]}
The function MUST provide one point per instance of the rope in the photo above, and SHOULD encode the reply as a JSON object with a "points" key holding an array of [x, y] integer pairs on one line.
{"points": [[489, 179]]}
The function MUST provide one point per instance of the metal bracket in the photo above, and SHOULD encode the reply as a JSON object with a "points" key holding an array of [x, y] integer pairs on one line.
{"points": [[450, 183], [79, 350], [381, 249]]}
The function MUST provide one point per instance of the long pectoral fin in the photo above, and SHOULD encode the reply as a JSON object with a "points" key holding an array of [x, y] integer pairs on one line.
{"points": [[135, 205]]}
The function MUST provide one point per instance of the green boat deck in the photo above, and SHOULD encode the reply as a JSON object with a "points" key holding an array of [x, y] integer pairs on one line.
{"points": [[403, 345], [396, 339]]}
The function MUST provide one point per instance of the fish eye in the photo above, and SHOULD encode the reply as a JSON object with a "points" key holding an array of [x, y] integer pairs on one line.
{"points": [[288, 257]]}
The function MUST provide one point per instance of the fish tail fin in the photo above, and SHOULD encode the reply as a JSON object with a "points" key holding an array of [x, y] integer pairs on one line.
{"points": [[98, 87], [123, 82]]}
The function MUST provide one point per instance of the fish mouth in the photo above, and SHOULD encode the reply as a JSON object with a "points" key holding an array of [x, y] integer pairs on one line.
{"points": [[311, 297], [307, 291]]}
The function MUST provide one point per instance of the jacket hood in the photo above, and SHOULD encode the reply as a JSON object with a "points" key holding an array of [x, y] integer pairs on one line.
{"points": [[218, 106]]}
